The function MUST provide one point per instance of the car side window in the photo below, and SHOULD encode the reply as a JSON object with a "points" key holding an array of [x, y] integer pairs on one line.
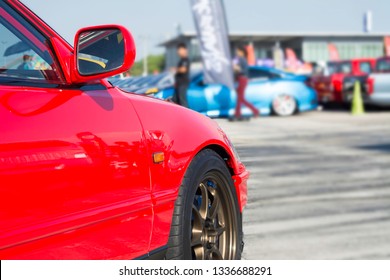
{"points": [[333, 68], [383, 65], [258, 74], [197, 79], [365, 67], [24, 53]]}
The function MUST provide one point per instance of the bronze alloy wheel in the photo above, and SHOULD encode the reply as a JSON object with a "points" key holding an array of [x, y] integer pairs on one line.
{"points": [[213, 236], [206, 223]]}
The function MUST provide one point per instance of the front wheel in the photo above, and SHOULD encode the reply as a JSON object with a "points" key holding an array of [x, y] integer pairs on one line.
{"points": [[206, 224], [284, 105]]}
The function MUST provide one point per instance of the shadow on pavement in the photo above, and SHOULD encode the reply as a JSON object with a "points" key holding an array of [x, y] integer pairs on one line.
{"points": [[381, 147]]}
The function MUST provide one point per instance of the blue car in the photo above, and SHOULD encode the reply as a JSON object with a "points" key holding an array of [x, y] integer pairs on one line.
{"points": [[269, 89]]}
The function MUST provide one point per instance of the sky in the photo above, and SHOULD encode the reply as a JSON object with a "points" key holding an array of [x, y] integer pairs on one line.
{"points": [[157, 20]]}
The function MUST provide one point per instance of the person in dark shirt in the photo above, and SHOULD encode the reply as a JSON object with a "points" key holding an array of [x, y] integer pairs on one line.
{"points": [[182, 76], [241, 71]]}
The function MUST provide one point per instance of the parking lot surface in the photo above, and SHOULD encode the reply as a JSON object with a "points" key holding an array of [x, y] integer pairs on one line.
{"points": [[319, 186]]}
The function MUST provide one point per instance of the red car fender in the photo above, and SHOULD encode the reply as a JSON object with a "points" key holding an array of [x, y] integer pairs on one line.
{"points": [[166, 131], [164, 128]]}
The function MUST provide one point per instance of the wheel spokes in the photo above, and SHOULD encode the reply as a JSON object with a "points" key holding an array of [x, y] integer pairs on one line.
{"points": [[199, 252], [197, 226], [214, 254], [284, 105], [204, 207], [214, 206], [196, 239], [220, 230], [210, 229]]}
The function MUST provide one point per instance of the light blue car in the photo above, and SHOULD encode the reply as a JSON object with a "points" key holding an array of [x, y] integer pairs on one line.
{"points": [[269, 89]]}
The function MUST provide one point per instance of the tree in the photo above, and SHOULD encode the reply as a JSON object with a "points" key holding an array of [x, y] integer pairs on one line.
{"points": [[156, 63]]}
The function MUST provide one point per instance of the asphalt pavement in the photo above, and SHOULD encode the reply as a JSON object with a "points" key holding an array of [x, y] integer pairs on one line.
{"points": [[319, 186]]}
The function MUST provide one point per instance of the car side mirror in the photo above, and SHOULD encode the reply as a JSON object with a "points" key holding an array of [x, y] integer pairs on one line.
{"points": [[102, 51]]}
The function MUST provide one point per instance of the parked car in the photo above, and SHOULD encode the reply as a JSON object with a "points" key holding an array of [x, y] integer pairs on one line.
{"points": [[90, 172], [270, 90], [330, 83], [144, 84], [375, 86], [155, 82]]}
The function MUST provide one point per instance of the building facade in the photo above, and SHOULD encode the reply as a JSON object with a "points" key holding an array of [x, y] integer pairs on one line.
{"points": [[309, 47]]}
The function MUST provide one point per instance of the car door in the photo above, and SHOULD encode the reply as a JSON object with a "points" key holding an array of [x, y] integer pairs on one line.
{"points": [[74, 174], [211, 99], [262, 87]]}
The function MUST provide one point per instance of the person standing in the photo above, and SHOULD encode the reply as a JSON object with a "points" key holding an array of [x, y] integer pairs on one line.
{"points": [[27, 63], [182, 76], [241, 71]]}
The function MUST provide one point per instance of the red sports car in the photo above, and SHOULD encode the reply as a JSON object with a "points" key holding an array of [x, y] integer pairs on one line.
{"points": [[90, 172]]}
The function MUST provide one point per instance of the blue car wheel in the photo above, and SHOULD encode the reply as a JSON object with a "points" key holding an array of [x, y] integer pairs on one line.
{"points": [[284, 105]]}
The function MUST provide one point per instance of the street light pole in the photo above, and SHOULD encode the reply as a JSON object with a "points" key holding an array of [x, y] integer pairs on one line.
{"points": [[145, 53]]}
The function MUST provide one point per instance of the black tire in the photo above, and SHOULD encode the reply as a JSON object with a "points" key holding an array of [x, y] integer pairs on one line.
{"points": [[211, 230]]}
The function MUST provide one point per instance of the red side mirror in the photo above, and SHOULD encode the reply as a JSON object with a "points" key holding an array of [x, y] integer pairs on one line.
{"points": [[101, 52]]}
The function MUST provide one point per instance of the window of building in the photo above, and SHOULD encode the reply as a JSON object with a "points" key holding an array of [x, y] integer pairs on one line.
{"points": [[318, 51]]}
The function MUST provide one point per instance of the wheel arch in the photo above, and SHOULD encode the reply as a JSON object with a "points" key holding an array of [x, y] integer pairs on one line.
{"points": [[238, 174], [223, 153], [297, 102]]}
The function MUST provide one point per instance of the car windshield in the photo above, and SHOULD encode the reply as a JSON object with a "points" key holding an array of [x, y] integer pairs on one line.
{"points": [[332, 68], [195, 74], [345, 68], [339, 67]]}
